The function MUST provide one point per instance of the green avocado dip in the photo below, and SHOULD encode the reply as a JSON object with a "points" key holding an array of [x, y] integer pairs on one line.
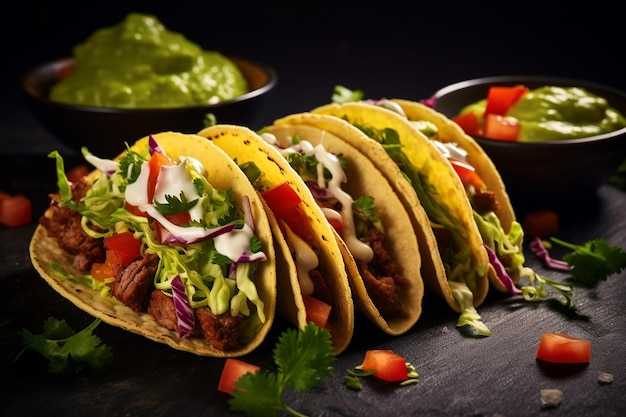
{"points": [[554, 113], [138, 63]]}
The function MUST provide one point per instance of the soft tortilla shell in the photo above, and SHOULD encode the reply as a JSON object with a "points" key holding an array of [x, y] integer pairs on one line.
{"points": [[364, 179], [223, 174], [244, 145]]}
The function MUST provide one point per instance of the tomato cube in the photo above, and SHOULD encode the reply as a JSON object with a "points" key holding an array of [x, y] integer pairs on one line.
{"points": [[388, 365], [15, 210], [541, 223], [124, 246], [501, 128], [501, 98], [316, 311], [468, 122], [562, 348], [232, 371]]}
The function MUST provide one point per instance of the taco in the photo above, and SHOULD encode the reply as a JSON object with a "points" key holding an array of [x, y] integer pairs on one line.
{"points": [[493, 212], [169, 241], [423, 182], [312, 278], [374, 231]]}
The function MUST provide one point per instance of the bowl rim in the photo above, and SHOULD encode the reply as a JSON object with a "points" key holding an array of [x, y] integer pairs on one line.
{"points": [[270, 72], [547, 79]]}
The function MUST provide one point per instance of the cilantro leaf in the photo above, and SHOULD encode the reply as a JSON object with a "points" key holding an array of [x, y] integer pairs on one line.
{"points": [[594, 261], [343, 94], [175, 205], [66, 350], [303, 358]]}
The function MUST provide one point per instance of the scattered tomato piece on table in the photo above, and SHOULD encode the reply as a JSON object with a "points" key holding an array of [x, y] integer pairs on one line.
{"points": [[563, 348], [232, 371], [15, 210], [541, 223], [388, 365]]}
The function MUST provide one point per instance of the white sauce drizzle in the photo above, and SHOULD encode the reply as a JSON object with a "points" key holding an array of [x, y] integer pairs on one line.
{"points": [[172, 181], [305, 258], [237, 243], [359, 250]]}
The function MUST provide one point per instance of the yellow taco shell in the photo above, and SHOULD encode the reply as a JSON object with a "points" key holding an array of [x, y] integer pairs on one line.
{"points": [[244, 145], [364, 179], [223, 174]]}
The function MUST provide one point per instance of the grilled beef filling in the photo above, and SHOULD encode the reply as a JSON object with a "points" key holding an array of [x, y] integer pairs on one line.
{"points": [[133, 284]]}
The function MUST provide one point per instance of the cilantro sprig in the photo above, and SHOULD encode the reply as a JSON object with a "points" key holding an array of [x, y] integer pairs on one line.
{"points": [[302, 357], [594, 261], [587, 264], [66, 350]]}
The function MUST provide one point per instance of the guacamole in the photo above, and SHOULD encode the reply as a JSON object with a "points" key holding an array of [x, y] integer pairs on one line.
{"points": [[553, 113], [138, 63]]}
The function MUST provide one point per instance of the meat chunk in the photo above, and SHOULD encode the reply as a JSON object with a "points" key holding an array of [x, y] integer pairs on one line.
{"points": [[221, 331], [133, 284], [63, 224], [484, 202], [381, 278], [161, 308]]}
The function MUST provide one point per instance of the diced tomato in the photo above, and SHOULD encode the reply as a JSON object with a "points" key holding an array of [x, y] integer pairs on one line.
{"points": [[15, 210], [317, 311], [501, 128], [101, 271], [467, 174], [388, 365], [135, 210], [124, 245], [179, 219], [285, 204], [541, 223], [337, 225], [501, 98], [281, 199], [562, 348], [468, 122], [76, 173], [232, 371], [335, 219], [157, 160]]}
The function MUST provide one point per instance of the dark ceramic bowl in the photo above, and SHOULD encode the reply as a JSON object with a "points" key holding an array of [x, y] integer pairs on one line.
{"points": [[104, 130], [546, 170]]}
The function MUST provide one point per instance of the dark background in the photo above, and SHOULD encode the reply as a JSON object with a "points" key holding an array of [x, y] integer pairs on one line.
{"points": [[384, 48]]}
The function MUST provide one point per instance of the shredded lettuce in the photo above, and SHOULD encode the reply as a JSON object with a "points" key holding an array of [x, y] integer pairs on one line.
{"points": [[196, 263]]}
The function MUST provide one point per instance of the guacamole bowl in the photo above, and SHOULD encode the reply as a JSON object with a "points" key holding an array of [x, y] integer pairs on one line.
{"points": [[544, 172], [103, 130]]}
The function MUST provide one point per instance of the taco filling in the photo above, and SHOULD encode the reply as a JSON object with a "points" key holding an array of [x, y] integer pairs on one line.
{"points": [[154, 234], [457, 238], [504, 248], [357, 221]]}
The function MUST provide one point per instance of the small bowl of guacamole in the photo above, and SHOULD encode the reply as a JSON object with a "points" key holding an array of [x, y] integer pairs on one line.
{"points": [[138, 77], [552, 139]]}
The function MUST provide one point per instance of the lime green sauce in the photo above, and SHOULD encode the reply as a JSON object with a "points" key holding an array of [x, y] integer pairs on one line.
{"points": [[554, 113], [138, 63]]}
